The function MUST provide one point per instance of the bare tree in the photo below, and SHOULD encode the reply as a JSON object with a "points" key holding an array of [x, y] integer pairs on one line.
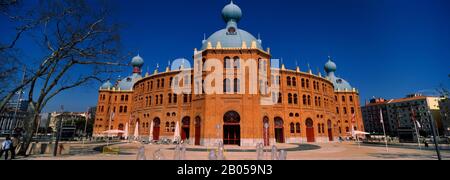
{"points": [[80, 41]]}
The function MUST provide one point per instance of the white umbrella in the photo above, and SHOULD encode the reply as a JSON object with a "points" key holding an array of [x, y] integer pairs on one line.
{"points": [[126, 131], [136, 131], [176, 135], [361, 133], [114, 132], [151, 131]]}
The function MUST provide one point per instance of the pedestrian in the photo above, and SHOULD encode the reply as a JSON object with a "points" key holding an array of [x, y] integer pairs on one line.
{"points": [[426, 144], [14, 145], [6, 146]]}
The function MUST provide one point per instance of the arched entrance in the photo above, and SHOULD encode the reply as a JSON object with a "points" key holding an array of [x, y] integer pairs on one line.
{"points": [[156, 128], [266, 127], [186, 122], [310, 131], [330, 131], [121, 128], [198, 130], [279, 130], [232, 128]]}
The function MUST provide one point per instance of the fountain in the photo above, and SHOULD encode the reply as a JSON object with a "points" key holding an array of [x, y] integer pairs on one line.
{"points": [[212, 155], [141, 154], [274, 153], [157, 155], [220, 151], [260, 152], [177, 153], [183, 152], [283, 155]]}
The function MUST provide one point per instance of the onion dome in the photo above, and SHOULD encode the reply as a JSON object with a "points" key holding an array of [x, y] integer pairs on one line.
{"points": [[107, 85], [137, 61]]}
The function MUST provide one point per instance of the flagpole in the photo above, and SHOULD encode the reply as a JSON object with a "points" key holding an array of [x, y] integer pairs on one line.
{"points": [[416, 128], [418, 135], [384, 130]]}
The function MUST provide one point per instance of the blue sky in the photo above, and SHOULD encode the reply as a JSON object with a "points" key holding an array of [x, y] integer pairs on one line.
{"points": [[384, 48]]}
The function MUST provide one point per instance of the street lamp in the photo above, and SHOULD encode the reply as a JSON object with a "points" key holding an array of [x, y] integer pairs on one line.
{"points": [[266, 134], [433, 128]]}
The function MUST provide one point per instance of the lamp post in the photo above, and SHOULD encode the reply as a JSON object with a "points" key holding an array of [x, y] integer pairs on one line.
{"points": [[266, 134], [58, 132], [433, 128]]}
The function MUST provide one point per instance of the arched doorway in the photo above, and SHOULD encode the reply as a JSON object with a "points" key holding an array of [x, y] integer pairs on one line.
{"points": [[232, 128], [198, 130], [266, 127], [121, 128], [330, 131], [156, 128], [186, 122], [279, 130], [310, 131]]}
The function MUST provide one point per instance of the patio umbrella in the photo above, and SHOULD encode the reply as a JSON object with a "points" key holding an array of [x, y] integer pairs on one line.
{"points": [[126, 131], [151, 131], [114, 132], [176, 135], [136, 131]]}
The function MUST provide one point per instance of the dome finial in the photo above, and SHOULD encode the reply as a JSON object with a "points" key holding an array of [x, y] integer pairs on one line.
{"points": [[330, 66], [231, 12]]}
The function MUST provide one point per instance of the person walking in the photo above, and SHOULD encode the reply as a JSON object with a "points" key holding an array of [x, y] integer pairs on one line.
{"points": [[15, 143], [6, 147]]}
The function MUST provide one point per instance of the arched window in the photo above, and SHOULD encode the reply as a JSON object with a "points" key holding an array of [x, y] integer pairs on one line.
{"points": [[151, 85], [237, 85], [172, 127], [226, 85], [337, 110], [228, 62], [295, 99], [343, 98], [158, 83], [303, 83], [167, 127], [347, 129], [185, 98], [171, 81], [175, 98], [314, 85], [122, 98], [320, 102], [289, 83], [290, 98], [292, 126], [315, 100], [120, 109], [307, 83], [305, 102], [126, 98], [323, 128], [353, 110], [150, 101], [161, 99], [280, 98], [294, 81], [170, 98], [309, 100], [162, 83], [319, 129], [125, 109], [237, 62], [345, 110], [351, 98], [298, 130]]}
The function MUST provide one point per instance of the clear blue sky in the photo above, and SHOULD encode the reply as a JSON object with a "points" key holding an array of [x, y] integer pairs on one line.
{"points": [[384, 48]]}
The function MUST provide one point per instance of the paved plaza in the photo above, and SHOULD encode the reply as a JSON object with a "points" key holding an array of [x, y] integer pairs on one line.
{"points": [[334, 151]]}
